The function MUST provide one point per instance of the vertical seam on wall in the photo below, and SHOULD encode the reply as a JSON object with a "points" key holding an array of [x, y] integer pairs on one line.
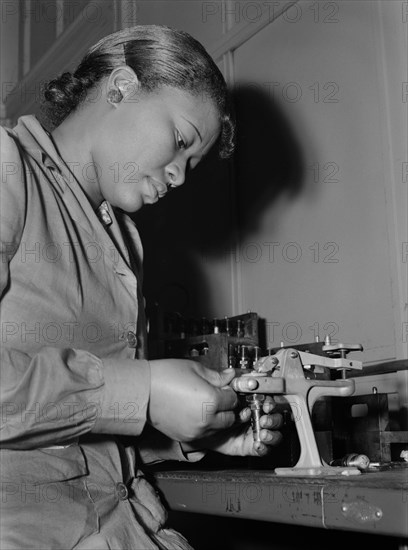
{"points": [[235, 269], [26, 37], [394, 251]]}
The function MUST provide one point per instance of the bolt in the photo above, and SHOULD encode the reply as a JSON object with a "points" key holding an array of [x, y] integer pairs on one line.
{"points": [[378, 514], [344, 508], [255, 402], [375, 389], [293, 354]]}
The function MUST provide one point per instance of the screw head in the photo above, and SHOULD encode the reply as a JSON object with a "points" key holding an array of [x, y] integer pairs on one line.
{"points": [[293, 354]]}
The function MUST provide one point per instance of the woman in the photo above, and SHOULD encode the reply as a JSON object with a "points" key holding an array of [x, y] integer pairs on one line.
{"points": [[82, 408]]}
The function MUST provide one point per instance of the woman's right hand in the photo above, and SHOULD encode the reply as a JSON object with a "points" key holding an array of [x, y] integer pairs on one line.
{"points": [[189, 401]]}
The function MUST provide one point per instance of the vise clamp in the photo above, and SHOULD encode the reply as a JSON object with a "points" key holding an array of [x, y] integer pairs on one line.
{"points": [[285, 375]]}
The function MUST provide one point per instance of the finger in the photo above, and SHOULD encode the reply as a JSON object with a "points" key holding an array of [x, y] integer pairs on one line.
{"points": [[270, 438], [245, 415], [269, 404], [271, 421], [217, 378], [227, 399], [267, 439], [260, 449]]}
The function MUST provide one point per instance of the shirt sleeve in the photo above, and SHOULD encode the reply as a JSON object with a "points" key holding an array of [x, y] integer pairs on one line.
{"points": [[56, 395], [153, 447]]}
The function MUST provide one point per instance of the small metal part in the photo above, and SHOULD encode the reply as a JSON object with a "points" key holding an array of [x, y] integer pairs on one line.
{"points": [[354, 460], [204, 349], [293, 354], [255, 404], [227, 326], [240, 332], [340, 351], [232, 360], [257, 351], [216, 328], [104, 214], [404, 455], [275, 363], [244, 360], [374, 390]]}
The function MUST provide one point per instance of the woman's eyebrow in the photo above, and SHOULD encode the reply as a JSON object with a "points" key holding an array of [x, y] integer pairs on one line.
{"points": [[194, 126]]}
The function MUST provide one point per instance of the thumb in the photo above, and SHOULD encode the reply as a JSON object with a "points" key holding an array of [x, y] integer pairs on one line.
{"points": [[219, 378]]}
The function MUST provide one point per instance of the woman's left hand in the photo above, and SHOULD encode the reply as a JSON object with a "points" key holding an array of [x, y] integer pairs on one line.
{"points": [[239, 439]]}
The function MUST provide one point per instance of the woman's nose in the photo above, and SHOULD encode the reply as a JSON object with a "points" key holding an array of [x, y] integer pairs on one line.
{"points": [[175, 175]]}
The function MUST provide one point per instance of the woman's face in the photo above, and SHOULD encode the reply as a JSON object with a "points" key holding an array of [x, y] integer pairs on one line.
{"points": [[150, 141]]}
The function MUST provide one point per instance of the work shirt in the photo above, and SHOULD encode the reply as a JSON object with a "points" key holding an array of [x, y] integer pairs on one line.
{"points": [[73, 366]]}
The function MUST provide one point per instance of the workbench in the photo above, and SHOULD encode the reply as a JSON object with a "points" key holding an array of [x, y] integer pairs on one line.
{"points": [[374, 502]]}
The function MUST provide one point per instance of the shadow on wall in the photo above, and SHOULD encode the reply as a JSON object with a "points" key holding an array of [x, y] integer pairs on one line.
{"points": [[268, 159], [221, 202]]}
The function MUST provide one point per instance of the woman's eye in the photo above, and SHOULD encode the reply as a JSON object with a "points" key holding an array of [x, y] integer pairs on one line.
{"points": [[181, 144]]}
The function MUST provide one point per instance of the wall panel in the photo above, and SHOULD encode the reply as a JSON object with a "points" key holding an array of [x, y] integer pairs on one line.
{"points": [[315, 253], [197, 18]]}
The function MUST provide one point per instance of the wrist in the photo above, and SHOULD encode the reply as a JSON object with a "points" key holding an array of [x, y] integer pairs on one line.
{"points": [[187, 447]]}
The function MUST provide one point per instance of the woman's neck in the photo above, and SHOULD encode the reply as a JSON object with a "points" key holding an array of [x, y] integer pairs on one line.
{"points": [[72, 141]]}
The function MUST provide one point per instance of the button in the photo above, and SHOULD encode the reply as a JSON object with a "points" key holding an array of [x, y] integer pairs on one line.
{"points": [[121, 491], [131, 339]]}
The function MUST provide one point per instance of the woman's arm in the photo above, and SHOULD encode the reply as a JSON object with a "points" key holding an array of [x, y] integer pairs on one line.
{"points": [[56, 394]]}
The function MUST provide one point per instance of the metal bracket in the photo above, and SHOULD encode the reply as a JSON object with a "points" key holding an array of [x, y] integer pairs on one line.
{"points": [[287, 382]]}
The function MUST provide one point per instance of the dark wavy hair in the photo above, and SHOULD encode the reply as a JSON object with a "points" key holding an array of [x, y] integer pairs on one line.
{"points": [[159, 56]]}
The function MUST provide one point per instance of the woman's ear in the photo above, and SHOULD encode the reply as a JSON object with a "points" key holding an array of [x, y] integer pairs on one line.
{"points": [[124, 81]]}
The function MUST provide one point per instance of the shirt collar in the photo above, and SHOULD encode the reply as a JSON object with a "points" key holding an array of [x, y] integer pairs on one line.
{"points": [[39, 144]]}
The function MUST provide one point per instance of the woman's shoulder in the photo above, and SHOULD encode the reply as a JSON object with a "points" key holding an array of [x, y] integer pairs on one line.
{"points": [[12, 182], [9, 146]]}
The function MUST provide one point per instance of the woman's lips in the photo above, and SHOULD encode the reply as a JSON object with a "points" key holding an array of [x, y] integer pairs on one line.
{"points": [[159, 187]]}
